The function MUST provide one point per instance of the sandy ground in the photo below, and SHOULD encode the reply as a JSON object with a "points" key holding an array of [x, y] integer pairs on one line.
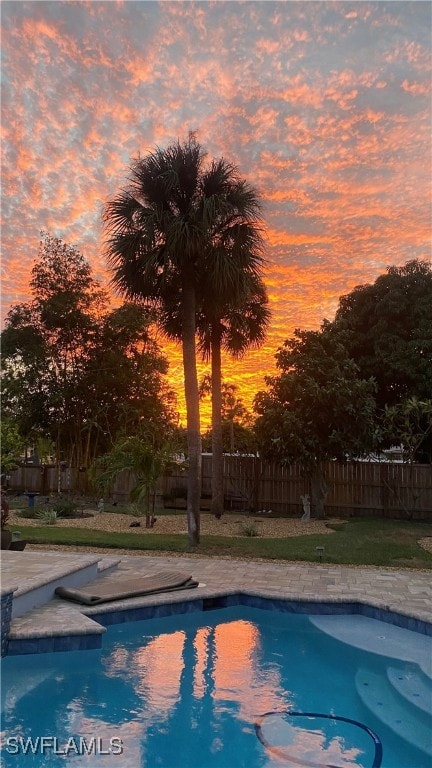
{"points": [[229, 525]]}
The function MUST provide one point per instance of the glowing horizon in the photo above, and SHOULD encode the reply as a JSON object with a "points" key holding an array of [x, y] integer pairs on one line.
{"points": [[325, 107]]}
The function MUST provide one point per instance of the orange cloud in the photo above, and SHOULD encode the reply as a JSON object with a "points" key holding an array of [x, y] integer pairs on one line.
{"points": [[333, 130]]}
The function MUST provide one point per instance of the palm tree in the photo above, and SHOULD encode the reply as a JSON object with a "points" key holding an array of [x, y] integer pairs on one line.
{"points": [[235, 329], [175, 222]]}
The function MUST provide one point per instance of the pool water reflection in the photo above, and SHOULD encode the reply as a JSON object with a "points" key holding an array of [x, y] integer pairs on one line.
{"points": [[188, 692]]}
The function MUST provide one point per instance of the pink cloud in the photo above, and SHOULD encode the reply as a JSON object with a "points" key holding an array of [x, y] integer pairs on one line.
{"points": [[332, 129]]}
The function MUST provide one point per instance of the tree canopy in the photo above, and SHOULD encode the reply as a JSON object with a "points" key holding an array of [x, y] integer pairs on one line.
{"points": [[12, 446], [237, 421], [410, 424], [74, 370], [363, 381], [386, 328], [317, 409]]}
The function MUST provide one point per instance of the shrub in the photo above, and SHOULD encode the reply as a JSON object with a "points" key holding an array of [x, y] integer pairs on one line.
{"points": [[248, 529], [47, 516], [134, 510], [4, 509], [29, 513], [64, 508]]}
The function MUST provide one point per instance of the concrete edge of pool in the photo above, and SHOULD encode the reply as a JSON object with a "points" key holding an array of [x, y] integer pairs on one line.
{"points": [[92, 640], [401, 597]]}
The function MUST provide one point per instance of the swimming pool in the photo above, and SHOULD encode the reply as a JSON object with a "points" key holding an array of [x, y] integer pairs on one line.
{"points": [[228, 688]]}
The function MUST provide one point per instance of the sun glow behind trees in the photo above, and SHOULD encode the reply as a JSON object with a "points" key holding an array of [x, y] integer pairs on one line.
{"points": [[324, 107]]}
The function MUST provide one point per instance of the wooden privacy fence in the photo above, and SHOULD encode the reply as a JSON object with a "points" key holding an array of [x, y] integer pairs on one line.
{"points": [[251, 484], [355, 488]]}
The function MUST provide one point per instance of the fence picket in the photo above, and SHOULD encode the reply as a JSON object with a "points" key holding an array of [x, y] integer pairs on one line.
{"points": [[251, 484]]}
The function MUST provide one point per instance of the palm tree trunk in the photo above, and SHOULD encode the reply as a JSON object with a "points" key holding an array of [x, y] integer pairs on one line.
{"points": [[217, 502], [192, 413]]}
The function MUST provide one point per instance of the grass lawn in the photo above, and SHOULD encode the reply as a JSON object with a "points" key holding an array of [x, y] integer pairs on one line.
{"points": [[354, 542]]}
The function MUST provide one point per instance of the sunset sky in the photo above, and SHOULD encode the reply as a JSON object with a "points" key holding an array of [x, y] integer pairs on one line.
{"points": [[325, 107]]}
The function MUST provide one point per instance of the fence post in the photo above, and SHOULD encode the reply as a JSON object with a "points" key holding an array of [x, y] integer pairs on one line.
{"points": [[256, 484], [385, 489]]}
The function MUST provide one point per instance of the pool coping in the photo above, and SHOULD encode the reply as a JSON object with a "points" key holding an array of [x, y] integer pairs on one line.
{"points": [[267, 601], [402, 596], [88, 635]]}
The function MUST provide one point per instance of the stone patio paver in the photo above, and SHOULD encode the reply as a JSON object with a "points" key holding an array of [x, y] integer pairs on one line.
{"points": [[405, 592]]}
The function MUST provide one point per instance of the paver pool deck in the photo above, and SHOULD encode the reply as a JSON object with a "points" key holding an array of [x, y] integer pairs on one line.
{"points": [[404, 592]]}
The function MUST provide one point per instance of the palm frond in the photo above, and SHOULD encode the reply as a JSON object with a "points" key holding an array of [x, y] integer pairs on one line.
{"points": [[177, 220]]}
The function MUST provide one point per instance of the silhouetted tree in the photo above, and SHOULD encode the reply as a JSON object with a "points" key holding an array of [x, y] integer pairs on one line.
{"points": [[176, 222]]}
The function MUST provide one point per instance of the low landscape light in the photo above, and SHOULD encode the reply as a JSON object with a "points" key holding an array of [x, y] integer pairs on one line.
{"points": [[320, 552]]}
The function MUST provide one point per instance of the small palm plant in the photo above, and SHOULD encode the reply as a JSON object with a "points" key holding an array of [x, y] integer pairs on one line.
{"points": [[47, 516], [248, 529], [144, 460]]}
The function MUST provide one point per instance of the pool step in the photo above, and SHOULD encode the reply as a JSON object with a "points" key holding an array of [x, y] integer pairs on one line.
{"points": [[378, 638], [108, 564], [426, 667], [54, 627], [378, 695], [412, 687], [38, 579]]}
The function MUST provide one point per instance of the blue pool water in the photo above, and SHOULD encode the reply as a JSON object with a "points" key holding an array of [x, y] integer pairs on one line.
{"points": [[225, 689]]}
